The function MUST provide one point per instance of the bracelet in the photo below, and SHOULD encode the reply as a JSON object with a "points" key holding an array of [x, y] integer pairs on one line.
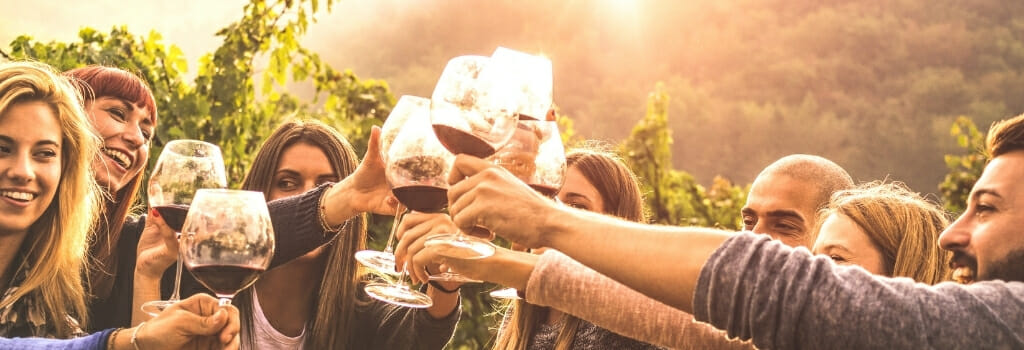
{"points": [[322, 212], [135, 335], [113, 338], [439, 287]]}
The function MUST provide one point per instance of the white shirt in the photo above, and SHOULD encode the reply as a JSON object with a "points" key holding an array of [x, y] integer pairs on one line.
{"points": [[267, 337]]}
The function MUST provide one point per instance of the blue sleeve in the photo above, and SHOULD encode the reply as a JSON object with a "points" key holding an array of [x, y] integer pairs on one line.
{"points": [[95, 341]]}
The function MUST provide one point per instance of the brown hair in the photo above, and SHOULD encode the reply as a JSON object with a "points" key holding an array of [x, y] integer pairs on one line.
{"points": [[1005, 136], [94, 82], [620, 193], [901, 224], [334, 310], [52, 254]]}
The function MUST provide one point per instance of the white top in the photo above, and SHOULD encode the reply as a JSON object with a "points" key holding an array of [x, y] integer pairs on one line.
{"points": [[267, 337]]}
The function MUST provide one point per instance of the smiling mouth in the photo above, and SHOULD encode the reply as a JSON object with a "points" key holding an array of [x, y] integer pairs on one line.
{"points": [[18, 196], [118, 157]]}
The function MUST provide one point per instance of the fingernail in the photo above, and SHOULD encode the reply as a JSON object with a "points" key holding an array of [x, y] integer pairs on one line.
{"points": [[154, 212]]}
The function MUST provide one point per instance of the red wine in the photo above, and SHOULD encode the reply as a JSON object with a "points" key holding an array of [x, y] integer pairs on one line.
{"points": [[427, 199], [225, 280], [547, 191], [173, 214], [525, 117], [461, 142]]}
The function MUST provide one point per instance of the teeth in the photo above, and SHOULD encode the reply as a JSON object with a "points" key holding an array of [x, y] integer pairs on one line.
{"points": [[23, 196], [119, 157], [963, 275]]}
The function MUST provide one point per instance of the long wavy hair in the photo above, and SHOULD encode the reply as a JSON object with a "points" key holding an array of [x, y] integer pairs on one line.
{"points": [[333, 311], [621, 197], [94, 82], [54, 250], [901, 224]]}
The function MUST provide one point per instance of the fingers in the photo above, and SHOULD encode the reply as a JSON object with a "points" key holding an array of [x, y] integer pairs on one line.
{"points": [[229, 333], [466, 166], [413, 231], [373, 146]]}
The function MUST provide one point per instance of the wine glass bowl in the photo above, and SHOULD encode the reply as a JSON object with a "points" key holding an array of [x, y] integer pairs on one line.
{"points": [[467, 111], [184, 167], [527, 78], [228, 240]]}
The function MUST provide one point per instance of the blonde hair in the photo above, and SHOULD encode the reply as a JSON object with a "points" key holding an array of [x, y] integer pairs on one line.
{"points": [[55, 248], [904, 226]]}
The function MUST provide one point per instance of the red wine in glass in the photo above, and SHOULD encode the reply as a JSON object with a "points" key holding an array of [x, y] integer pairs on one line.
{"points": [[225, 280], [426, 199], [173, 215], [461, 142]]}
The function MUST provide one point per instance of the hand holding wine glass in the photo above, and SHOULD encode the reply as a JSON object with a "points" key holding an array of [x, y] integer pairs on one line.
{"points": [[228, 240], [184, 167]]}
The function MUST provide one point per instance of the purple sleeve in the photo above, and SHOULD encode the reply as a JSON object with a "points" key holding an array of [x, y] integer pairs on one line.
{"points": [[95, 341], [784, 298]]}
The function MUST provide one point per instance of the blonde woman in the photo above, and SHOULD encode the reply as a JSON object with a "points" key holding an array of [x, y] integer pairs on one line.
{"points": [[886, 229], [49, 201]]}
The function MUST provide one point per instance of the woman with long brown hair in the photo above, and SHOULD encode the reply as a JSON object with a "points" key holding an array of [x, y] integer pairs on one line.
{"points": [[316, 301]]}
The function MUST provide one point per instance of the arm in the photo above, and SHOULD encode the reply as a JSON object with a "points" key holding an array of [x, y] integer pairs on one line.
{"points": [[95, 341], [781, 297], [558, 281], [627, 252]]}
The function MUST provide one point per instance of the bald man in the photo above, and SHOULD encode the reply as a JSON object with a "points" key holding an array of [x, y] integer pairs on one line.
{"points": [[784, 200]]}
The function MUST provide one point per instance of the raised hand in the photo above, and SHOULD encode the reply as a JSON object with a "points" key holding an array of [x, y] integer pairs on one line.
{"points": [[366, 190], [194, 323]]}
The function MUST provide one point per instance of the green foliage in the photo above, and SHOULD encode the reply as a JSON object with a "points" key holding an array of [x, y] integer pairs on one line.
{"points": [[964, 169], [674, 197]]}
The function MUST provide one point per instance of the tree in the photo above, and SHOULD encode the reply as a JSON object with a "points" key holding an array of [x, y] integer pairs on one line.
{"points": [[674, 197], [964, 169]]}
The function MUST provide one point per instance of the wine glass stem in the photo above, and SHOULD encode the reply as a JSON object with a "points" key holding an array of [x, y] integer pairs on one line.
{"points": [[400, 211], [177, 278]]}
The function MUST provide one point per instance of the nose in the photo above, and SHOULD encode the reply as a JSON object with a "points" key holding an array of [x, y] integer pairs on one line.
{"points": [[759, 227], [21, 169], [956, 235], [132, 135]]}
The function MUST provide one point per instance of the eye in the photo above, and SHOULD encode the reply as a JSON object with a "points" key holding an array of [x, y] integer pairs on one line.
{"points": [[5, 149], [749, 222], [46, 154], [577, 205], [116, 113], [838, 259], [286, 185]]}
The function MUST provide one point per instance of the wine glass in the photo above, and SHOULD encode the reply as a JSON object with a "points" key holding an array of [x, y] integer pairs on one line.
{"points": [[471, 114], [228, 240], [384, 261], [529, 79], [536, 156], [417, 170], [184, 167]]}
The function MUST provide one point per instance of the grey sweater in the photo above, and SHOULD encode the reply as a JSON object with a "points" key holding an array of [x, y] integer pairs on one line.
{"points": [[784, 298]]}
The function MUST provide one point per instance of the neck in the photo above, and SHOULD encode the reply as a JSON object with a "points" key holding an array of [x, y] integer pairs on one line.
{"points": [[10, 244], [288, 293]]}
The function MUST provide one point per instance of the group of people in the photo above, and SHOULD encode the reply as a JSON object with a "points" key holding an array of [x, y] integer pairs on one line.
{"points": [[822, 262]]}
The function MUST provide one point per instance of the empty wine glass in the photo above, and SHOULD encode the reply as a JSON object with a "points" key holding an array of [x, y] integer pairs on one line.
{"points": [[228, 240], [535, 154], [184, 166], [384, 261]]}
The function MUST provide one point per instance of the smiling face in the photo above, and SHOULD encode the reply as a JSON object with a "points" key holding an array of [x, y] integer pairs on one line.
{"points": [[987, 241], [30, 164], [847, 244], [781, 207], [126, 130]]}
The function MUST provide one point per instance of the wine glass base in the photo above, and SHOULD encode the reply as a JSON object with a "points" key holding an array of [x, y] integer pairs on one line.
{"points": [[155, 307], [506, 294], [452, 277], [378, 261], [460, 246], [398, 295]]}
